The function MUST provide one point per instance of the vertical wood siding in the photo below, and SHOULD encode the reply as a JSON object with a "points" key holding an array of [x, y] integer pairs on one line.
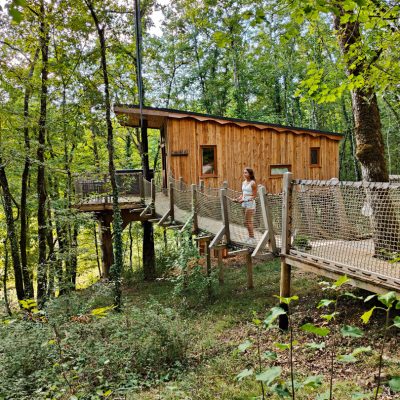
{"points": [[239, 147]]}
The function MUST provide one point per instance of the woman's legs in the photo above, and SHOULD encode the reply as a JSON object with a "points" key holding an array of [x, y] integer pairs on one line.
{"points": [[248, 221]]}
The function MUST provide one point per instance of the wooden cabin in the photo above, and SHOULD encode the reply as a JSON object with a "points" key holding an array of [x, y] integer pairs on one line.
{"points": [[216, 149]]}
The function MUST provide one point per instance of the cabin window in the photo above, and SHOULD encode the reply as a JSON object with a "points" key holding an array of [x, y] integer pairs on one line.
{"points": [[278, 170], [314, 157], [208, 160]]}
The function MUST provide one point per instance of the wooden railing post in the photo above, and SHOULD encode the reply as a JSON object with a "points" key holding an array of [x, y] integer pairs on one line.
{"points": [[194, 208], [225, 184], [286, 237], [208, 269], [220, 249], [249, 265], [267, 218], [201, 186], [225, 217], [171, 200], [141, 187], [180, 183]]}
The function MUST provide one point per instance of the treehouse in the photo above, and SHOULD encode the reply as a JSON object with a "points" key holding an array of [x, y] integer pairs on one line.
{"points": [[201, 147]]}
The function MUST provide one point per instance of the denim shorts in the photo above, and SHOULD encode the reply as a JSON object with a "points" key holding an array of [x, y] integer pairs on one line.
{"points": [[249, 204]]}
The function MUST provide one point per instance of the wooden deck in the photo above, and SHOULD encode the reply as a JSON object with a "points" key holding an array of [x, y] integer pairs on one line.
{"points": [[105, 204]]}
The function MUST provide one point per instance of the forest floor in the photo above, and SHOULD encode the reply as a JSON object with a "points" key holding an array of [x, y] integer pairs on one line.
{"points": [[225, 322], [210, 362]]}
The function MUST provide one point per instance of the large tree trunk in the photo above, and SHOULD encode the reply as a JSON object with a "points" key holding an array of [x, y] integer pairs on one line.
{"points": [[370, 148], [41, 179], [117, 267], [24, 184], [11, 232], [149, 261]]}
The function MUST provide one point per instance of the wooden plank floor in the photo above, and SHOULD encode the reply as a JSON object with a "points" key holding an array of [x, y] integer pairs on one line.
{"points": [[357, 254]]}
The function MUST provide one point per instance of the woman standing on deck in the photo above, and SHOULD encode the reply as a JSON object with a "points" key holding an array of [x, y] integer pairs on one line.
{"points": [[247, 199]]}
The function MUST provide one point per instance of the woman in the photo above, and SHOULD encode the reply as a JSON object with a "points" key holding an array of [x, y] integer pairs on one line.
{"points": [[247, 199]]}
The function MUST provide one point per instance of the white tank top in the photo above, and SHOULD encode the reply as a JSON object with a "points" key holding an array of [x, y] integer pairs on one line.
{"points": [[247, 189]]}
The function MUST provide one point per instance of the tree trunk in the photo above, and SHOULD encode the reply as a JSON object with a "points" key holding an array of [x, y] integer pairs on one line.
{"points": [[24, 184], [370, 148], [41, 180], [116, 269], [11, 232], [6, 303], [149, 261]]}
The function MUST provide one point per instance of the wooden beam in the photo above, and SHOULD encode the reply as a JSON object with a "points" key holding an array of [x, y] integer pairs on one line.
{"points": [[267, 217], [249, 265], [217, 238], [208, 268], [225, 217], [238, 252], [164, 218], [194, 208], [286, 236], [261, 244], [219, 250], [373, 284], [186, 224], [145, 210], [171, 200]]}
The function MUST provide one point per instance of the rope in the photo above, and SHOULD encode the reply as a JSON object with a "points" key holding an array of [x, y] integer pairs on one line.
{"points": [[350, 223]]}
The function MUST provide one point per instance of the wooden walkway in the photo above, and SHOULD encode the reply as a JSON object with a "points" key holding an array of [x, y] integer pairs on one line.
{"points": [[331, 258]]}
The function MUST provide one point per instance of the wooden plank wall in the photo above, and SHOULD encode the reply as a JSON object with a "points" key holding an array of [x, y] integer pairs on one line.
{"points": [[241, 147]]}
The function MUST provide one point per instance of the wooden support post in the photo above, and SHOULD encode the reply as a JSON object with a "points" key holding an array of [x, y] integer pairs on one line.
{"points": [[220, 249], [194, 209], [201, 186], [225, 218], [153, 192], [106, 245], [171, 201], [267, 217], [249, 265], [208, 266], [180, 183], [286, 237], [225, 184]]}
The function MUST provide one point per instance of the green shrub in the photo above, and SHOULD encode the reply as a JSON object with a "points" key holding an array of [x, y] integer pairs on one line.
{"points": [[85, 354]]}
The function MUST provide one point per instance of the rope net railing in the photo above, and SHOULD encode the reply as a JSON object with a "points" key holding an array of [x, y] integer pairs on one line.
{"points": [[95, 187], [147, 191], [209, 212], [182, 204], [353, 224]]}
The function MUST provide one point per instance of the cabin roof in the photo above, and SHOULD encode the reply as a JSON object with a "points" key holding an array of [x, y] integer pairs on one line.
{"points": [[156, 118]]}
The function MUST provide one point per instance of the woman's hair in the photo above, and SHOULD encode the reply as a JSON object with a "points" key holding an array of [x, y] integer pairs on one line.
{"points": [[251, 173]]}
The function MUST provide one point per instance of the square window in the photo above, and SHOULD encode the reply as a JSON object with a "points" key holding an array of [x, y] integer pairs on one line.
{"points": [[314, 156], [278, 170], [208, 160]]}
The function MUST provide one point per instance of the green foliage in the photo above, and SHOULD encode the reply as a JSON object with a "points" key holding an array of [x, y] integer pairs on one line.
{"points": [[319, 331], [118, 352], [271, 376], [302, 242]]}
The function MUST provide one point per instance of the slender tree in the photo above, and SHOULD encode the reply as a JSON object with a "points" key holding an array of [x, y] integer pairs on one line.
{"points": [[116, 269], [41, 177]]}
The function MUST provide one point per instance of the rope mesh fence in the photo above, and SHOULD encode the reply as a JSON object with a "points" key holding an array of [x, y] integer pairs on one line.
{"points": [[182, 204], [147, 190], [351, 223], [209, 212]]}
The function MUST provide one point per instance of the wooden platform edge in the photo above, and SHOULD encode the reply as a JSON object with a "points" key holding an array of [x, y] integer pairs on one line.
{"points": [[322, 268]]}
